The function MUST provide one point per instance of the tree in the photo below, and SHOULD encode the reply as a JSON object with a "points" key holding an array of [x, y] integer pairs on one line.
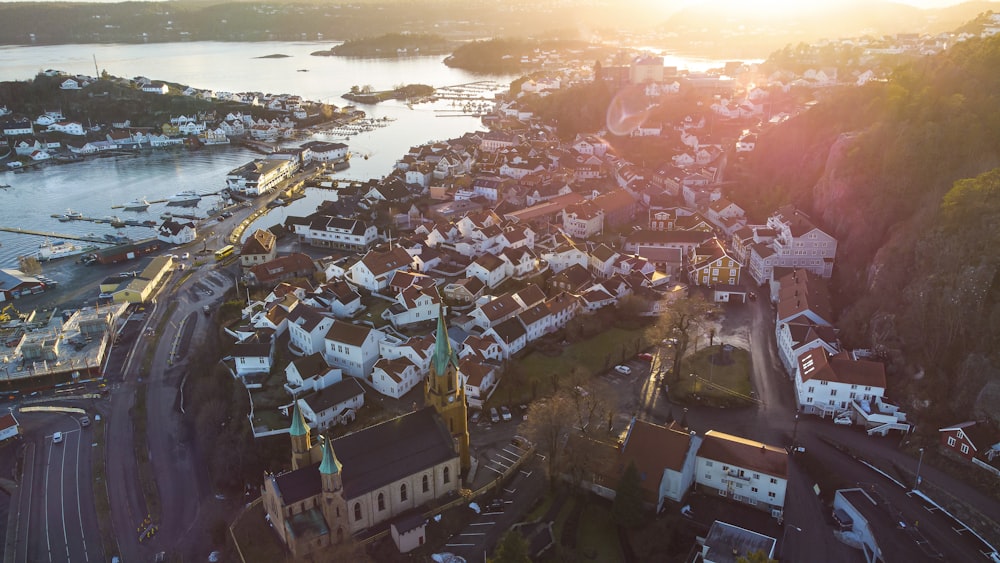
{"points": [[513, 548], [548, 426], [684, 319], [627, 508], [755, 557]]}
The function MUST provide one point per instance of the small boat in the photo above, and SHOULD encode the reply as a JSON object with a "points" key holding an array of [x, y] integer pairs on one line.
{"points": [[139, 204], [185, 197], [73, 215], [4, 186]]}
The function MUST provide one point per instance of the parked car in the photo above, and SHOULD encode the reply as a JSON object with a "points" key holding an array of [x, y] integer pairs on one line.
{"points": [[624, 370], [85, 421], [57, 437], [476, 415], [494, 416], [646, 357], [505, 413], [185, 256]]}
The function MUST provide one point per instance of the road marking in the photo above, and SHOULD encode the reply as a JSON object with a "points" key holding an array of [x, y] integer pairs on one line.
{"points": [[492, 469], [526, 473], [460, 545], [79, 510], [473, 534], [48, 544], [510, 491], [29, 475], [62, 499], [482, 523]]}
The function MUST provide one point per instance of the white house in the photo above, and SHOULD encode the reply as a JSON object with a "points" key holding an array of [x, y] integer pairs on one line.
{"points": [[309, 373], [253, 356], [511, 336], [414, 304], [479, 378], [747, 471], [829, 385], [68, 127], [307, 328], [395, 377], [176, 232], [352, 348], [665, 455], [325, 231], [338, 295], [489, 269], [798, 244], [374, 271], [336, 404]]}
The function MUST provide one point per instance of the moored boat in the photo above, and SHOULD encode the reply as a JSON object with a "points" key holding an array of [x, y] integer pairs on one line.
{"points": [[138, 204], [186, 196], [51, 250]]}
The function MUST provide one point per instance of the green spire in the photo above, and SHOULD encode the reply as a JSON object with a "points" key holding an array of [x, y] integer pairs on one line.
{"points": [[330, 463], [442, 347], [299, 426]]}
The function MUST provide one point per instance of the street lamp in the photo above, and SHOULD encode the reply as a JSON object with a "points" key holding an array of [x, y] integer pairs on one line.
{"points": [[783, 535], [795, 430], [919, 463]]}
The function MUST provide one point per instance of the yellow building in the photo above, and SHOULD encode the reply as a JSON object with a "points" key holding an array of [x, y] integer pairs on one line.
{"points": [[711, 264], [140, 288]]}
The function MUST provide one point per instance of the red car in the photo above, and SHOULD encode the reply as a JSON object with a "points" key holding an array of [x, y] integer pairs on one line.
{"points": [[645, 357]]}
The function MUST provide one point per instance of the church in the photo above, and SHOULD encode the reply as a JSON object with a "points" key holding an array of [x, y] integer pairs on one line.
{"points": [[337, 488]]}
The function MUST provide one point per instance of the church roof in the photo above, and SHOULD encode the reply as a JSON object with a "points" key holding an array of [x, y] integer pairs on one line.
{"points": [[299, 426], [392, 450]]}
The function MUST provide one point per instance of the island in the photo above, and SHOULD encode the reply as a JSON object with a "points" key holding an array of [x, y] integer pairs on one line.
{"points": [[366, 95], [391, 45]]}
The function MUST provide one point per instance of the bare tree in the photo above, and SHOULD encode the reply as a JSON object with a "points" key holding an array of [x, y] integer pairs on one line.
{"points": [[684, 320], [548, 426]]}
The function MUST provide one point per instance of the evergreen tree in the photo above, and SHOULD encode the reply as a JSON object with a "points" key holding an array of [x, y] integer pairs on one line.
{"points": [[627, 508], [513, 548]]}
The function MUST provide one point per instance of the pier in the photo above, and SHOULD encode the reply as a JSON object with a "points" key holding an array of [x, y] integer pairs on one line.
{"points": [[84, 238], [155, 201]]}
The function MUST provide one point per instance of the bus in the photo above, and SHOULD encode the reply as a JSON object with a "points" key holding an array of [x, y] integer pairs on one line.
{"points": [[224, 252]]}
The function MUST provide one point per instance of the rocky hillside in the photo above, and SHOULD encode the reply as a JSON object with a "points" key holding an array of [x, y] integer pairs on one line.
{"points": [[903, 173]]}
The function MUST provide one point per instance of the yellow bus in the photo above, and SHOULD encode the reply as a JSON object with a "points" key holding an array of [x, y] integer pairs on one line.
{"points": [[224, 252]]}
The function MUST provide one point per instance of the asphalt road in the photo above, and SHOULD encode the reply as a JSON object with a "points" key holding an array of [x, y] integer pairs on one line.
{"points": [[56, 506]]}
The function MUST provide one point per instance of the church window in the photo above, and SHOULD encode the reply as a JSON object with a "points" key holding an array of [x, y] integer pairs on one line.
{"points": [[426, 484], [357, 511], [402, 492], [447, 475], [381, 501]]}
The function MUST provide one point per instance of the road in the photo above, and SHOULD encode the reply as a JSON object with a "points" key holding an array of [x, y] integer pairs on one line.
{"points": [[55, 509]]}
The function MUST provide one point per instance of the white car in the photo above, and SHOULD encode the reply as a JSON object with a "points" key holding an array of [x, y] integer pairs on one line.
{"points": [[505, 413], [185, 256], [57, 438], [624, 370]]}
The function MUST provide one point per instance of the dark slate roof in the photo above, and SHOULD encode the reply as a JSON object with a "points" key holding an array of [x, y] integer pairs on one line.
{"points": [[387, 452], [408, 521], [298, 485], [334, 395]]}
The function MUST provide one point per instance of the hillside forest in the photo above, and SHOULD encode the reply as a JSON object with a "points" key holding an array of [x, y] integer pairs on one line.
{"points": [[905, 174]]}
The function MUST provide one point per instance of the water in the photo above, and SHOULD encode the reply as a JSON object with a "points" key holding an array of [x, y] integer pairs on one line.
{"points": [[93, 186]]}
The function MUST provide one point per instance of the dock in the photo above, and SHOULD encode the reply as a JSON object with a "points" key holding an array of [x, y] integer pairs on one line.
{"points": [[83, 238]]}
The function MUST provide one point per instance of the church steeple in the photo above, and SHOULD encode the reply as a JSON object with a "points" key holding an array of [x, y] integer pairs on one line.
{"points": [[299, 433], [445, 391], [330, 464], [443, 354]]}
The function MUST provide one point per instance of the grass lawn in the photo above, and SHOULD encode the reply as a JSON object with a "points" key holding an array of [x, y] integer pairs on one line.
{"points": [[254, 539], [597, 537], [714, 385], [588, 357], [374, 312]]}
